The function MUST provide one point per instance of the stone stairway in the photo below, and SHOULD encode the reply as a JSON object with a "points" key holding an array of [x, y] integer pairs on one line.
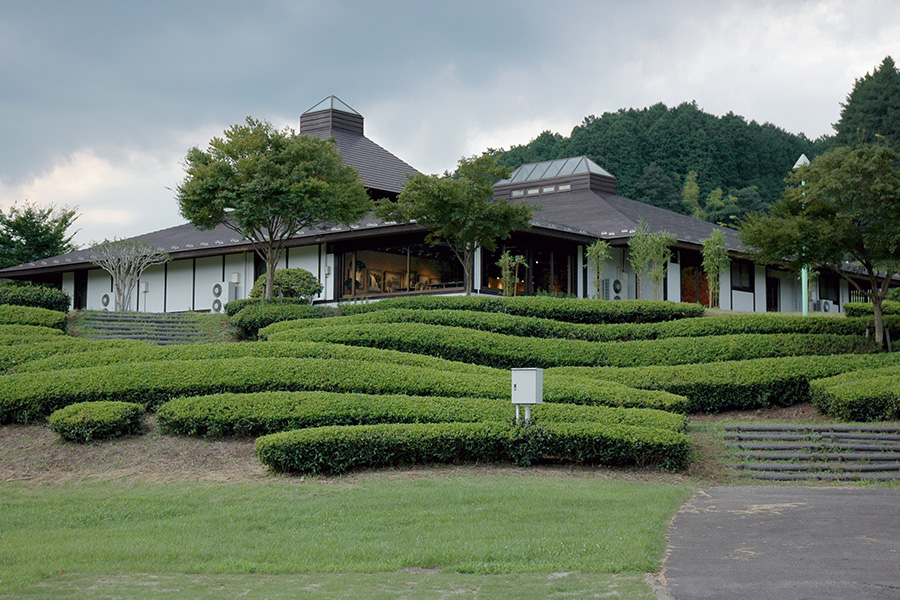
{"points": [[158, 328], [809, 452]]}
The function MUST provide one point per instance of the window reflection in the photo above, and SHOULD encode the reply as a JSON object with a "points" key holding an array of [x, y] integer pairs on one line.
{"points": [[404, 269]]}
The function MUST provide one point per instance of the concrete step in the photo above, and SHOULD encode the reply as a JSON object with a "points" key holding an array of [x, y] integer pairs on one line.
{"points": [[154, 328]]}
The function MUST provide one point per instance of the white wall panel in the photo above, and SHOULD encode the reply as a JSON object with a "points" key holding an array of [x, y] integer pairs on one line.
{"points": [[759, 286], [208, 272], [179, 285], [742, 301], [99, 283], [154, 299], [68, 286], [673, 282], [725, 288]]}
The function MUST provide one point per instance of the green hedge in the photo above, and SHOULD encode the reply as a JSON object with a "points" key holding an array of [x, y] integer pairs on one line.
{"points": [[573, 310], [236, 306], [35, 295], [505, 351], [151, 352], [334, 450], [250, 319], [89, 421], [864, 309], [865, 395], [549, 328], [26, 397], [28, 315], [220, 415], [735, 385], [19, 352], [26, 334]]}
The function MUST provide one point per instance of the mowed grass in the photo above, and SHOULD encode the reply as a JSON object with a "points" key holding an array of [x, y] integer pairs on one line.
{"points": [[460, 529]]}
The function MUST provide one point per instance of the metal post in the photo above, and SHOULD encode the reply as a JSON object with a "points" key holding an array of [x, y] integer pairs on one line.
{"points": [[804, 276]]}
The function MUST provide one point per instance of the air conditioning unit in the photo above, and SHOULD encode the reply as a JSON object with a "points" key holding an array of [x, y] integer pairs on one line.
{"points": [[823, 306], [106, 301], [605, 286], [620, 287], [223, 292]]}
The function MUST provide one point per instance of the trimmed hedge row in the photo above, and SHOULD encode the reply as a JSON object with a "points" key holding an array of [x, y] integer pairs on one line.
{"points": [[548, 328], [152, 352], [28, 315], [236, 306], [25, 334], [17, 352], [504, 351], [88, 421], [573, 310], [334, 450], [26, 397], [864, 309], [735, 385], [867, 395], [221, 415], [252, 317], [35, 295]]}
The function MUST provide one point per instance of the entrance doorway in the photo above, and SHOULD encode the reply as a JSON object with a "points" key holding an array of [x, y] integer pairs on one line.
{"points": [[773, 294]]}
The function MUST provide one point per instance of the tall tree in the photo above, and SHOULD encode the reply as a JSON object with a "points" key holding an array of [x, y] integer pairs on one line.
{"points": [[872, 110], [656, 187], [690, 196], [125, 260], [268, 185], [844, 205], [649, 254], [460, 210], [715, 259], [30, 233], [597, 254]]}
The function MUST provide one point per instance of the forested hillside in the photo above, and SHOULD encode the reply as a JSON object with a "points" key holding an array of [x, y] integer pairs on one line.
{"points": [[738, 165]]}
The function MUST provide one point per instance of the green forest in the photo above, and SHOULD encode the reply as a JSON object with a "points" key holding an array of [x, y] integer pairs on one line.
{"points": [[717, 168]]}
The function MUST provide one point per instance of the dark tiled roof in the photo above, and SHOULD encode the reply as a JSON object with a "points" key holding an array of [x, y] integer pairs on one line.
{"points": [[378, 168]]}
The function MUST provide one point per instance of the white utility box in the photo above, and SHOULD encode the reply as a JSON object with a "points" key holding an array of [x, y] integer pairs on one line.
{"points": [[527, 386]]}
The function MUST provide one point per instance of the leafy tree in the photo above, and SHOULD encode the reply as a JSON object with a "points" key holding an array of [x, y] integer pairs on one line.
{"points": [[30, 233], [460, 210], [872, 110], [715, 260], [125, 261], [657, 188], [649, 255], [597, 254], [690, 195], [509, 271], [844, 205], [289, 283], [268, 185]]}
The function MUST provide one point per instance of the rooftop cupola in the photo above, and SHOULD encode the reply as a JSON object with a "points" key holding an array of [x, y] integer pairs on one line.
{"points": [[331, 114]]}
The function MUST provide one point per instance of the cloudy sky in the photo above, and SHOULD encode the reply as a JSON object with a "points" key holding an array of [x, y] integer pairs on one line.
{"points": [[100, 100]]}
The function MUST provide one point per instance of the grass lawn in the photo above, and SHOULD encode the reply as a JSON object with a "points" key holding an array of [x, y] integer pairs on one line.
{"points": [[409, 538]]}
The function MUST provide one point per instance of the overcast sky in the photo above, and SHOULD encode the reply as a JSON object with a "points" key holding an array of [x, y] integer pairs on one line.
{"points": [[100, 101]]}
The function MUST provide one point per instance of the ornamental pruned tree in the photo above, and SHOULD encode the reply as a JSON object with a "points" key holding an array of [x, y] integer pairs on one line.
{"points": [[269, 185], [460, 210], [597, 254], [29, 233], [649, 254], [125, 261], [715, 259], [843, 206]]}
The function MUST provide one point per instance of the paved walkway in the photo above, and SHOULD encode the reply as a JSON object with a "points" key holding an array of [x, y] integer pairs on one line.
{"points": [[784, 543]]}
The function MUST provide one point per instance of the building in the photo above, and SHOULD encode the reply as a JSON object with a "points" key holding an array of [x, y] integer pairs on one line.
{"points": [[373, 259]]}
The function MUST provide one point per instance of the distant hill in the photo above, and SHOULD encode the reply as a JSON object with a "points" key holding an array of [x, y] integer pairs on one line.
{"points": [[652, 152]]}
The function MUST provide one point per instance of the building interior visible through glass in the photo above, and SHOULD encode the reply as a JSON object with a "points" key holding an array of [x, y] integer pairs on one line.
{"points": [[403, 269]]}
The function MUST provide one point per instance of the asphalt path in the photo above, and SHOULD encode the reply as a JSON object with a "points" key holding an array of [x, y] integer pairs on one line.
{"points": [[785, 543]]}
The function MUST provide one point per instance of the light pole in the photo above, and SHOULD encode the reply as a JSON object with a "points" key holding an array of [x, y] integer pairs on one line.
{"points": [[804, 272]]}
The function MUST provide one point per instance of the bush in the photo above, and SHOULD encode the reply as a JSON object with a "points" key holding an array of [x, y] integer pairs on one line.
{"points": [[28, 315], [88, 421], [735, 385], [26, 397], [236, 306], [262, 413], [549, 328], [251, 318], [17, 352], [288, 283], [864, 309], [504, 351], [866, 395], [573, 310], [37, 296], [334, 450]]}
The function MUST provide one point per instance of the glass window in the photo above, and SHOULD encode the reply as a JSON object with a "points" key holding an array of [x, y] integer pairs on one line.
{"points": [[743, 275], [400, 269]]}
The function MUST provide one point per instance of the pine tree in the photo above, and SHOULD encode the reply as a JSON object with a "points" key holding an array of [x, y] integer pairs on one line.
{"points": [[872, 110]]}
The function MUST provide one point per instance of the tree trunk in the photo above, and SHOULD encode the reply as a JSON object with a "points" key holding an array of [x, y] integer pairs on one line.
{"points": [[469, 259], [270, 279], [879, 320]]}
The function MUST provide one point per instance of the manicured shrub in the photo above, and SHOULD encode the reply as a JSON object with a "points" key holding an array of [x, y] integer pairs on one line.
{"points": [[504, 351], [865, 395], [35, 295], [549, 328], [26, 397], [26, 334], [262, 413], [334, 450], [250, 319], [735, 385], [17, 352], [11, 314], [289, 283], [88, 421], [236, 306], [573, 310], [864, 309]]}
